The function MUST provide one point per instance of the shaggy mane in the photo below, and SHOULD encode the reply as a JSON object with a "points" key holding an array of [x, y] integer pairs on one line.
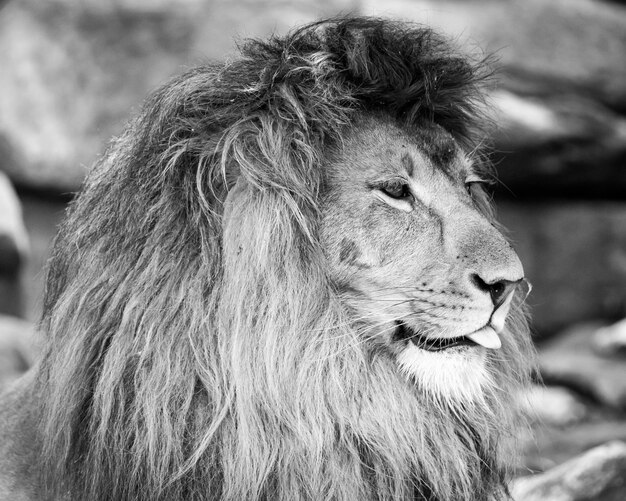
{"points": [[192, 357]]}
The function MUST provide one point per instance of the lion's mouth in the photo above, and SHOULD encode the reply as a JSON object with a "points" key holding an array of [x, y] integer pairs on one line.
{"points": [[484, 337]]}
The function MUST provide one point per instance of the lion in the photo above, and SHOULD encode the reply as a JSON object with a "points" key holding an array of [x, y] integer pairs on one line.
{"points": [[283, 281]]}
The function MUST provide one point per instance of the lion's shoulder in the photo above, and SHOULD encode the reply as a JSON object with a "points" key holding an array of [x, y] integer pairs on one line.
{"points": [[19, 450]]}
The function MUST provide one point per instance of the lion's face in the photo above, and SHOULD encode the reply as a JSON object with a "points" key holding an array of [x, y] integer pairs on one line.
{"points": [[421, 268]]}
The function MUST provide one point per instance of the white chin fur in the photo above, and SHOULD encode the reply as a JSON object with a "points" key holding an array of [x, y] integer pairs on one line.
{"points": [[456, 375]]}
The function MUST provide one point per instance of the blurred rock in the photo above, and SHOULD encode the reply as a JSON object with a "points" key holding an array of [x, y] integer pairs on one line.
{"points": [[597, 475], [13, 239], [611, 340], [73, 72], [554, 405], [18, 348], [549, 446], [574, 254], [558, 146], [13, 248], [571, 361]]}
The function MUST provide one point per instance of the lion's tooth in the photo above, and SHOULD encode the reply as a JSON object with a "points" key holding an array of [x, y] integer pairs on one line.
{"points": [[486, 337]]}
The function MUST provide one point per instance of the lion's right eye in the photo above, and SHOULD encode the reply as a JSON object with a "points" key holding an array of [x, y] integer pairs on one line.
{"points": [[399, 191]]}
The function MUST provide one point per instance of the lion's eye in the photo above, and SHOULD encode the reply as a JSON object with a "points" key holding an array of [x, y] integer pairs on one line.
{"points": [[397, 190], [473, 182]]}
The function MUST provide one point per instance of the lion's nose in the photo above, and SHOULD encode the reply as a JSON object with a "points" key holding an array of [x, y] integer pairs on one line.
{"points": [[499, 290]]}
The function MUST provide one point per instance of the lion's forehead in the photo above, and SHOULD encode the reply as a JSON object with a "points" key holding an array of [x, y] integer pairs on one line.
{"points": [[439, 146], [378, 148]]}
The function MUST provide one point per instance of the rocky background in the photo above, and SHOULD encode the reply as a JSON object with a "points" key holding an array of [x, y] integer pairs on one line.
{"points": [[73, 71]]}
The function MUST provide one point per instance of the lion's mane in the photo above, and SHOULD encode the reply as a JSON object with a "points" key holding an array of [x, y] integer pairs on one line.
{"points": [[189, 359]]}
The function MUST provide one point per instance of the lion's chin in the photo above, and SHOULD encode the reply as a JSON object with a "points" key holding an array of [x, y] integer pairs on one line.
{"points": [[456, 375]]}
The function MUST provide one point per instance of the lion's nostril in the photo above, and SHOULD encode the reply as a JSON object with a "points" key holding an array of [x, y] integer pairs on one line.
{"points": [[498, 289]]}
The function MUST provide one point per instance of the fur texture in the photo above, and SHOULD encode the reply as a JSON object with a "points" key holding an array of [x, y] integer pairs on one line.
{"points": [[183, 364]]}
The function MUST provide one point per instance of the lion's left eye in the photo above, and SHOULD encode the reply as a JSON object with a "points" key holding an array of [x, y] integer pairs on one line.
{"points": [[397, 190]]}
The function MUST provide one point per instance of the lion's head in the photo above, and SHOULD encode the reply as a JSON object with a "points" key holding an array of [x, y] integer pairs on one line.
{"points": [[414, 256], [283, 282]]}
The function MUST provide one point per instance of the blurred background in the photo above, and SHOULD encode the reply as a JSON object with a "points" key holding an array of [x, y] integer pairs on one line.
{"points": [[73, 71]]}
